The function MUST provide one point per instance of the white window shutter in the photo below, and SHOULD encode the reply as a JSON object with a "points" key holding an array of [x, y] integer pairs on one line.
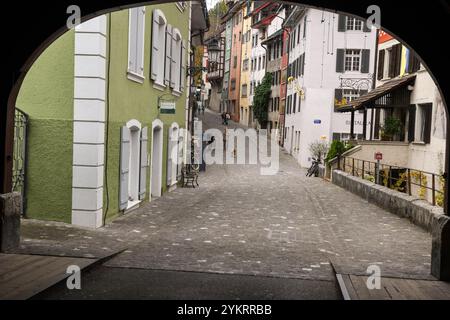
{"points": [[143, 164], [168, 58], [183, 66], [140, 40], [156, 46], [124, 167], [132, 41], [173, 73]]}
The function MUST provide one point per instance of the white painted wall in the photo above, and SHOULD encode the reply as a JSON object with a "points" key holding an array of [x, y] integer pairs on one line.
{"points": [[321, 79]]}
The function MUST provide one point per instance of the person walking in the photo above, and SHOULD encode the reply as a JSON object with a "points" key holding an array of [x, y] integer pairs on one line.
{"points": [[227, 118], [223, 117]]}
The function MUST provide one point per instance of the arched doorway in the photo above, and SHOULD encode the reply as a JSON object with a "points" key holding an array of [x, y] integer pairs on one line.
{"points": [[156, 164], [172, 155], [134, 163]]}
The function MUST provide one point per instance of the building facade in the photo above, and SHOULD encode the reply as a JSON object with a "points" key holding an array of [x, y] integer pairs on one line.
{"points": [[327, 63], [117, 106], [406, 93], [246, 53]]}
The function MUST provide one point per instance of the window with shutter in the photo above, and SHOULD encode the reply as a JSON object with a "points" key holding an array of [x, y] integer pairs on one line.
{"points": [[183, 66], [423, 123], [168, 61], [176, 61], [136, 44], [159, 45]]}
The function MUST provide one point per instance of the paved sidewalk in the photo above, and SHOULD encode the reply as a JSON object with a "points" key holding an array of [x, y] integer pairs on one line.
{"points": [[239, 222]]}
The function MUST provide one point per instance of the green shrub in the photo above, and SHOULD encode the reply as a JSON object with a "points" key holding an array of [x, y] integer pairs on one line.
{"points": [[337, 148]]}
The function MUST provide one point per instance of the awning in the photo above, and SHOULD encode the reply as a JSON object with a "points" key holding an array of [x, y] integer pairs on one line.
{"points": [[377, 93]]}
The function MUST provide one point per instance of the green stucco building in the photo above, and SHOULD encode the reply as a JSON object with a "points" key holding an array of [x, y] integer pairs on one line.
{"points": [[107, 104]]}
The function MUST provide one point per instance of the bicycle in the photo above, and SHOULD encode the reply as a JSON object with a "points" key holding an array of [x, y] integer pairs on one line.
{"points": [[314, 169]]}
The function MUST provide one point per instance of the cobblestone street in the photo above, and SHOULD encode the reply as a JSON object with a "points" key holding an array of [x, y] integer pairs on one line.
{"points": [[237, 222]]}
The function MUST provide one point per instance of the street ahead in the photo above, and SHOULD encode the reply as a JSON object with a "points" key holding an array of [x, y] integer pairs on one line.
{"points": [[239, 235]]}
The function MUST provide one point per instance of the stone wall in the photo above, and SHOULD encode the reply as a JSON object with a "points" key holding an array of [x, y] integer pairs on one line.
{"points": [[418, 211], [10, 212]]}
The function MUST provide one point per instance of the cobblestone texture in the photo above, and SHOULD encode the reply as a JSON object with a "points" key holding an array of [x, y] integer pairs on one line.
{"points": [[240, 222]]}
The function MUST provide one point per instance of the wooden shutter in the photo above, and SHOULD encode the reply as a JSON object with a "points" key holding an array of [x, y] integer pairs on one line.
{"points": [[302, 64], [342, 21], [395, 60], [428, 108], [140, 40], [365, 61], [365, 27], [411, 122], [380, 70], [294, 104], [304, 26], [398, 61], [124, 167], [143, 164], [174, 72], [413, 62], [340, 60], [376, 133], [392, 60], [168, 58], [183, 66], [156, 46], [132, 41]]}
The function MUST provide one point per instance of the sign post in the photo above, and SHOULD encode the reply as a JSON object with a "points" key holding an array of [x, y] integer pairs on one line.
{"points": [[378, 156]]}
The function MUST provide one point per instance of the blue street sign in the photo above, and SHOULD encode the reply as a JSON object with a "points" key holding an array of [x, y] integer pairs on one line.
{"points": [[317, 121]]}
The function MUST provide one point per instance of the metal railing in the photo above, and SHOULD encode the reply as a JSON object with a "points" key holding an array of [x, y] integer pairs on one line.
{"points": [[425, 185]]}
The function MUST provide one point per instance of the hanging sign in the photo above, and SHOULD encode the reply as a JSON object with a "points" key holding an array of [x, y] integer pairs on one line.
{"points": [[167, 106]]}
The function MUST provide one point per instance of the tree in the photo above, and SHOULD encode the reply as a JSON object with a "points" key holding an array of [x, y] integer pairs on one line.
{"points": [[318, 149], [261, 100]]}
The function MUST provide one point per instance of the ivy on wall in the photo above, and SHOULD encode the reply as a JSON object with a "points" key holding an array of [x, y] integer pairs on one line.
{"points": [[261, 100]]}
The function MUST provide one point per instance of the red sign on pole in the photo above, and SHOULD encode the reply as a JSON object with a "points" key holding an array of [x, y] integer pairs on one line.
{"points": [[378, 156]]}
